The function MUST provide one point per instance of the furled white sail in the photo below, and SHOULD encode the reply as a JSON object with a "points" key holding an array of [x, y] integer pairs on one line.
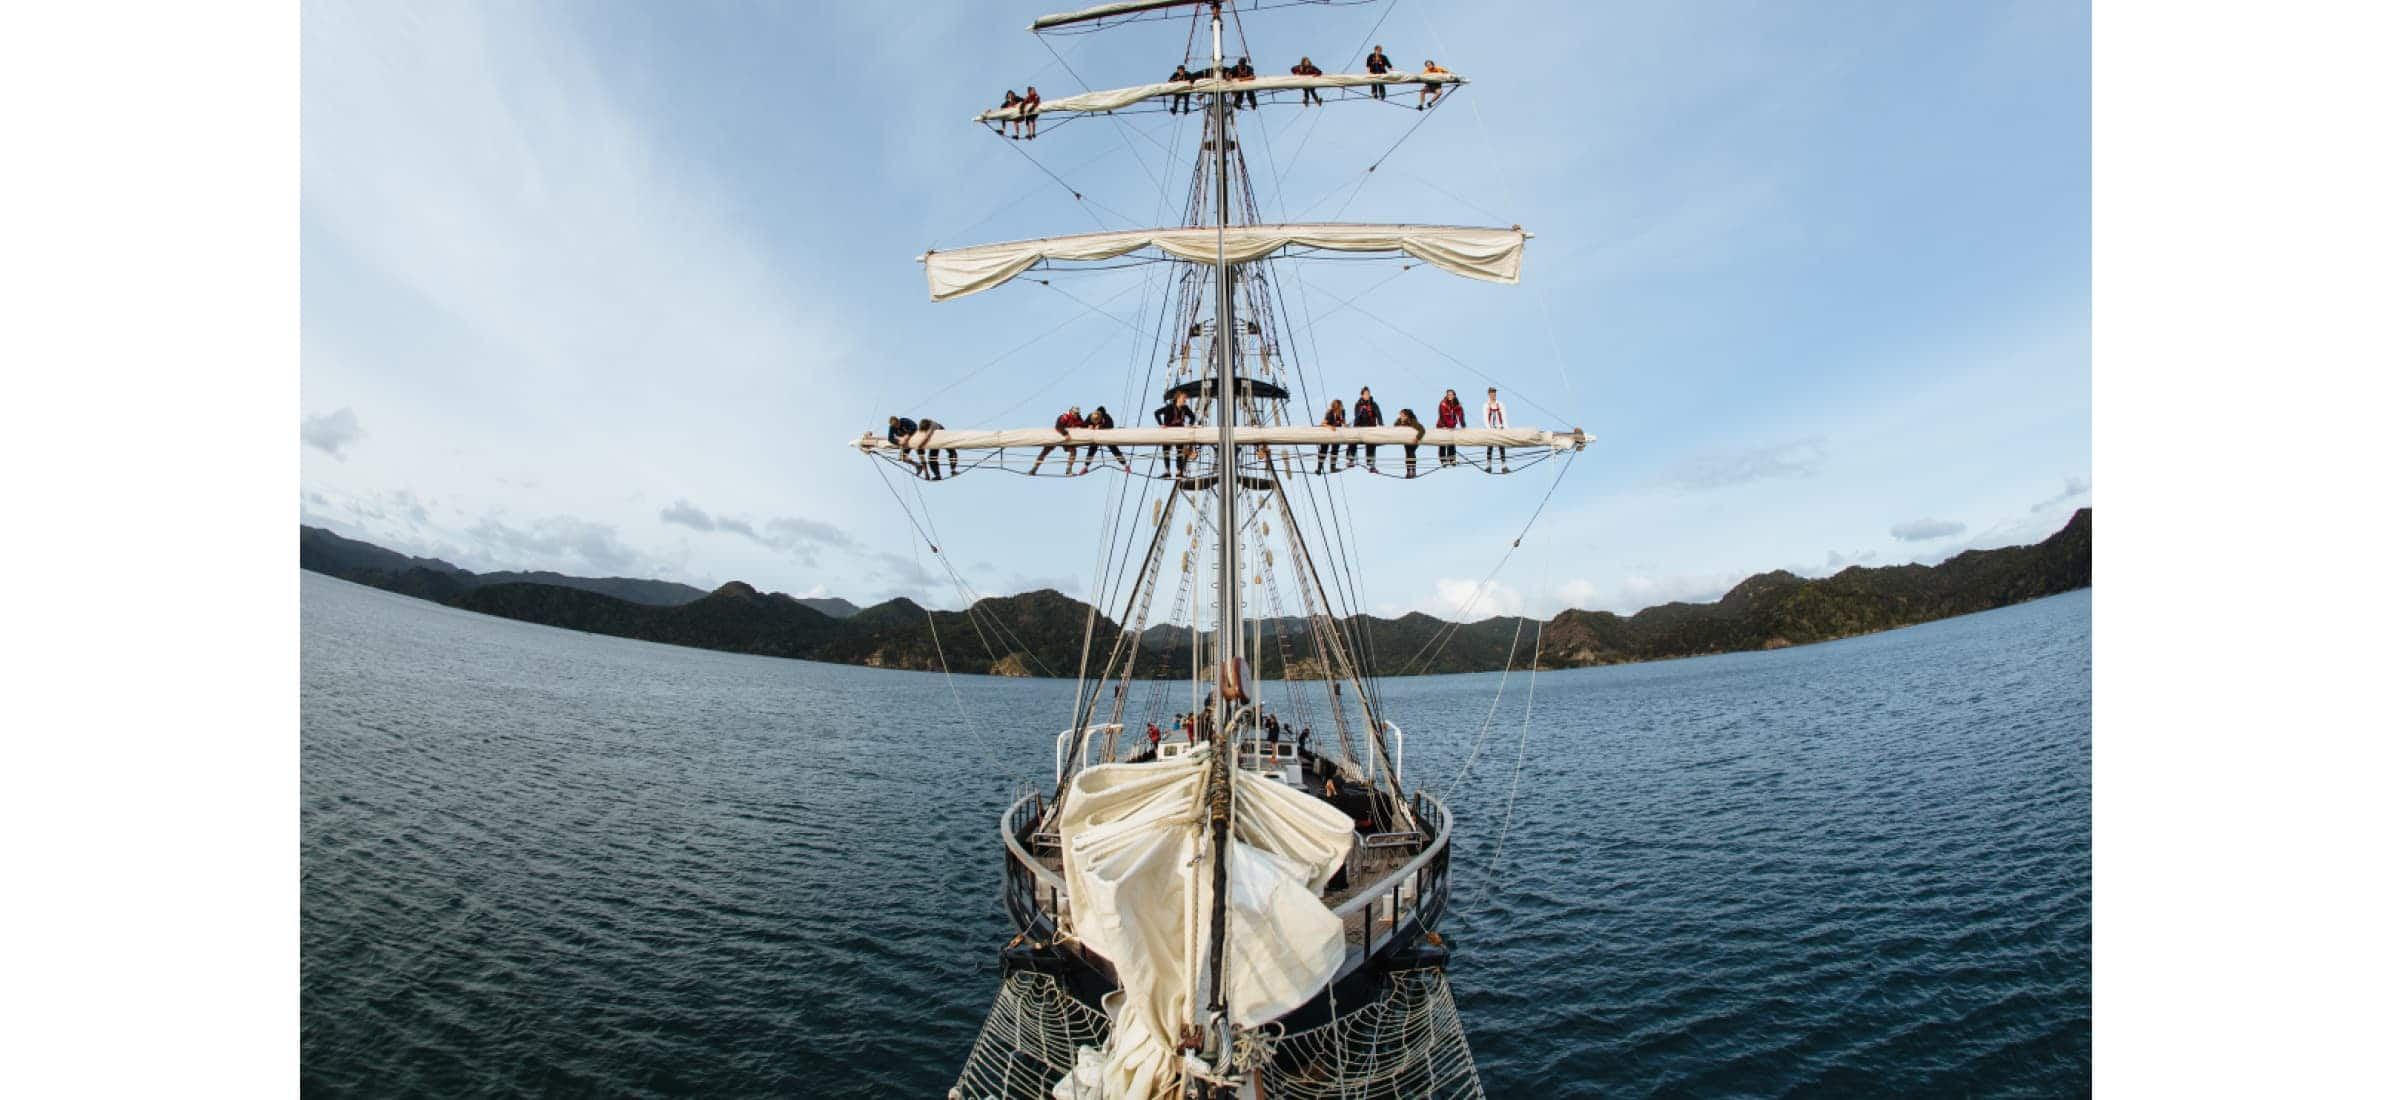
{"points": [[1118, 98], [1480, 253], [1242, 435], [1132, 834]]}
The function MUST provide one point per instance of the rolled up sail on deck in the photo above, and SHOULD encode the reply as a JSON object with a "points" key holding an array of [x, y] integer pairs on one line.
{"points": [[1131, 834], [1118, 98], [1492, 255]]}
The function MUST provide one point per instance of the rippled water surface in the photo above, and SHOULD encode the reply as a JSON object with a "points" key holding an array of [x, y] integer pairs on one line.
{"points": [[538, 861]]}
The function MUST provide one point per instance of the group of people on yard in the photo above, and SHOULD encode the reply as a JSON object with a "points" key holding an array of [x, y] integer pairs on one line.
{"points": [[911, 436], [1024, 125], [1099, 420], [1366, 415]]}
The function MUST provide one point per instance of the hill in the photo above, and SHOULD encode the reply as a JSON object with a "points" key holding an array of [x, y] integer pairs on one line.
{"points": [[431, 578], [1041, 633]]}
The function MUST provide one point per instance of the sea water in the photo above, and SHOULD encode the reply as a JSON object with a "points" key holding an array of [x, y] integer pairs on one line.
{"points": [[540, 861]]}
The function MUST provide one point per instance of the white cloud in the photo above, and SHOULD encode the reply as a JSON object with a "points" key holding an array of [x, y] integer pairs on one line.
{"points": [[1720, 469], [332, 432], [1926, 530], [2076, 486], [1470, 601]]}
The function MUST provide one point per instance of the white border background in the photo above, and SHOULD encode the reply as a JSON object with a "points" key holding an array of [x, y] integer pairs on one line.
{"points": [[149, 252]]}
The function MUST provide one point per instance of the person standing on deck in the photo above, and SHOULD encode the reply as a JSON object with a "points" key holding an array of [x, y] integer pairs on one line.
{"points": [[1154, 739], [1449, 415], [1492, 417], [1305, 67], [1379, 65], [1304, 740], [1366, 415]]}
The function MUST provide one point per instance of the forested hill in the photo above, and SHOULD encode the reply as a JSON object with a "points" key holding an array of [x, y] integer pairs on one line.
{"points": [[1040, 633]]}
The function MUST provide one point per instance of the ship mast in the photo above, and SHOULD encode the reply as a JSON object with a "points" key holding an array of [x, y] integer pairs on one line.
{"points": [[1212, 990]]}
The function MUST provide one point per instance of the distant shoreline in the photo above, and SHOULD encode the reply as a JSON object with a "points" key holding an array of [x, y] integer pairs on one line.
{"points": [[1039, 633]]}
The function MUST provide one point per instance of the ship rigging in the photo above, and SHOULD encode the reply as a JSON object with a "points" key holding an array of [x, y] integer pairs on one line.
{"points": [[1231, 910]]}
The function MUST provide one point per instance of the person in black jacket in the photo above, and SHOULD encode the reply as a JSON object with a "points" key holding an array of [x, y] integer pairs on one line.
{"points": [[901, 436], [1379, 65], [1100, 420], [1366, 415], [1179, 99], [1243, 71], [1175, 413], [1305, 67]]}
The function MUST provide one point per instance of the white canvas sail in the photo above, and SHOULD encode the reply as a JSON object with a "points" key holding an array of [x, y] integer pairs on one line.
{"points": [[1132, 835], [1492, 255], [1117, 98], [1243, 434]]}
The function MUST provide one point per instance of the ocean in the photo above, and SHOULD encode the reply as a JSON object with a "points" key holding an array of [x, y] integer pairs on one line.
{"points": [[536, 861]]}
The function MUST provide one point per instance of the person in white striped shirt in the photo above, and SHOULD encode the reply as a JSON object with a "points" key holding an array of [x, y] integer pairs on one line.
{"points": [[1493, 418]]}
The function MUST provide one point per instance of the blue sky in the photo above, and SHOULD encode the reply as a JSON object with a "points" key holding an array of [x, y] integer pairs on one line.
{"points": [[605, 288]]}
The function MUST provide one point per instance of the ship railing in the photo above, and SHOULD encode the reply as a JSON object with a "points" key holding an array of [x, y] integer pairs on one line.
{"points": [[1401, 904], [1035, 895], [1068, 739], [1409, 900]]}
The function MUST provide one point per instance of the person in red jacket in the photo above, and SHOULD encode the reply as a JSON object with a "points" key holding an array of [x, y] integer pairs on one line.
{"points": [[1064, 423], [1030, 103], [1449, 415]]}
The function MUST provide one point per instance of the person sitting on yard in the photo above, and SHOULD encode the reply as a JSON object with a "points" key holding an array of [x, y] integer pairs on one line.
{"points": [[1429, 93]]}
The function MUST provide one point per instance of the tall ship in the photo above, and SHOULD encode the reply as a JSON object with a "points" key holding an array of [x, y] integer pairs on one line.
{"points": [[1230, 887]]}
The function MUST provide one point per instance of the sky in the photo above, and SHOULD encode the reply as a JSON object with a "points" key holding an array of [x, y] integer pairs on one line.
{"points": [[607, 288]]}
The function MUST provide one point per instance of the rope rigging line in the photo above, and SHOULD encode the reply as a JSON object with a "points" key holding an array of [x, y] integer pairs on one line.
{"points": [[1091, 206], [1447, 632], [1455, 360], [1490, 881], [1454, 786], [973, 597], [1018, 348]]}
